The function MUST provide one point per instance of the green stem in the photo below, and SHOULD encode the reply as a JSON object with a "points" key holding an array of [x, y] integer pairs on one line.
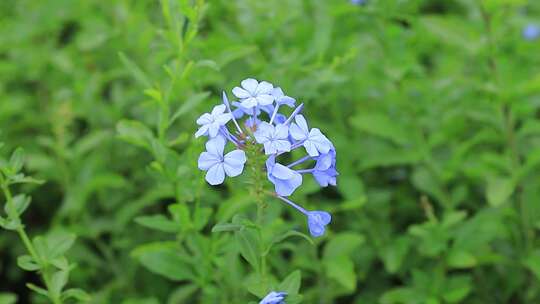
{"points": [[28, 244]]}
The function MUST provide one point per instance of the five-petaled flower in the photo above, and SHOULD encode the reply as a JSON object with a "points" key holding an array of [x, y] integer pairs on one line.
{"points": [[254, 93], [274, 138], [284, 179], [211, 122], [317, 221], [267, 133], [218, 165], [314, 141]]}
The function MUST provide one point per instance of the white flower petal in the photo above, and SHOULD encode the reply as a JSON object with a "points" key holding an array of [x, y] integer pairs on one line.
{"points": [[265, 99], [250, 85], [219, 109], [264, 88], [202, 131], [302, 123], [249, 103], [240, 93], [215, 175], [204, 119], [207, 160], [216, 146], [296, 132]]}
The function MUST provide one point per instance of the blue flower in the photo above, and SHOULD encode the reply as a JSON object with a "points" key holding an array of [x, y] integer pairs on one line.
{"points": [[211, 122], [218, 165], [285, 180], [325, 172], [317, 221], [282, 99], [274, 298], [274, 138], [253, 93], [531, 32], [314, 141]]}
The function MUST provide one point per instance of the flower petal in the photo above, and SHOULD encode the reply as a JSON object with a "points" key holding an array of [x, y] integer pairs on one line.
{"points": [[287, 187], [311, 148], [250, 85], [265, 99], [219, 109], [207, 160], [204, 119], [264, 87], [282, 172], [296, 132], [282, 145], [249, 103], [240, 93], [317, 220], [235, 158], [286, 100], [302, 123], [215, 146], [215, 175], [202, 131], [213, 129], [223, 118], [282, 131]]}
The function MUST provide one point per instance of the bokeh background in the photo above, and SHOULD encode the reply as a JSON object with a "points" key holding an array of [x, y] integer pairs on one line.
{"points": [[433, 106]]}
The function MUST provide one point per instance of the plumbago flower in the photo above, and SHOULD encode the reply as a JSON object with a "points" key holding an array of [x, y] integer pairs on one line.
{"points": [[260, 140], [274, 298]]}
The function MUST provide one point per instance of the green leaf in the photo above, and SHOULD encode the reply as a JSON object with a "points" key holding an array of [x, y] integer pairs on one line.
{"points": [[257, 285], [77, 294], [201, 216], [182, 294], [394, 253], [499, 190], [401, 295], [286, 235], [343, 244], [58, 281], [341, 269], [135, 133], [158, 222], [10, 224], [59, 243], [27, 263], [247, 241], [180, 214], [16, 161], [19, 203], [460, 259], [135, 70], [225, 227], [457, 288], [37, 289], [164, 259], [291, 284], [8, 298]]}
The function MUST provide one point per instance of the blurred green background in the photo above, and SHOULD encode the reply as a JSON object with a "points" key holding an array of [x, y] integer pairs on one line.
{"points": [[433, 106]]}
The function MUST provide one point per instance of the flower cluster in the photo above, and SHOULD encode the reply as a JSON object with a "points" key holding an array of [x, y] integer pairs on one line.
{"points": [[259, 126]]}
